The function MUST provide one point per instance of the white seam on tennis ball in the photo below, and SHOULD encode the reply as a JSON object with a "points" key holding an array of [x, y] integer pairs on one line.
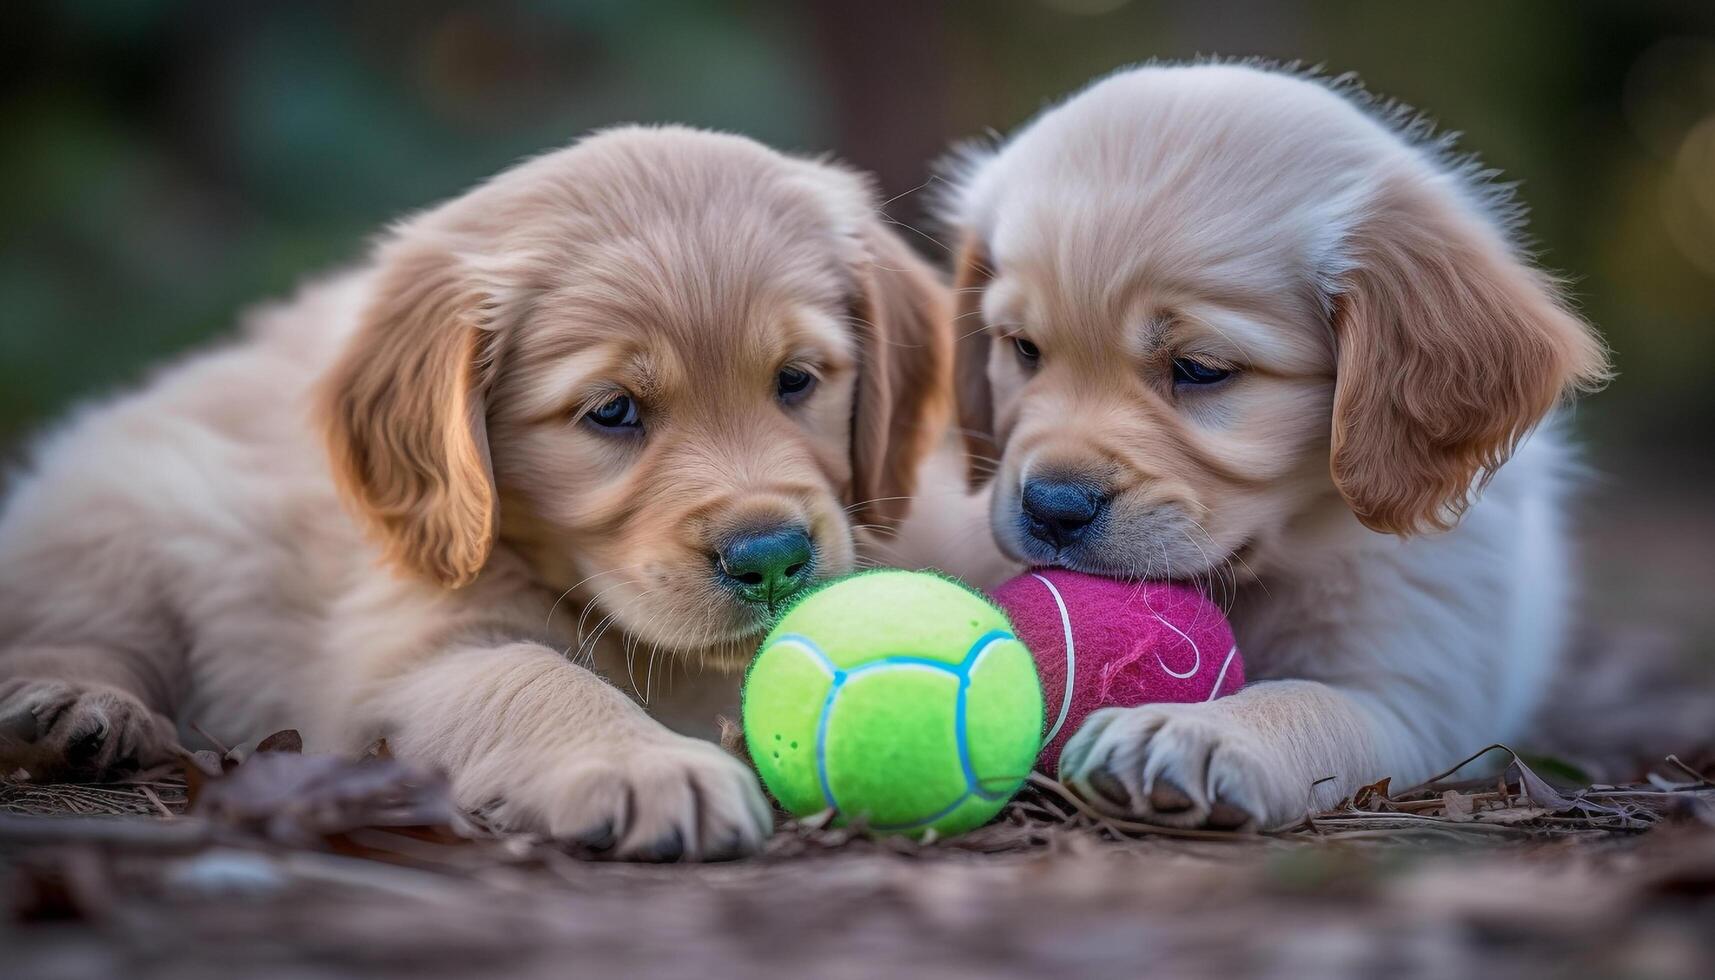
{"points": [[1196, 664], [816, 656], [1071, 660], [877, 666], [1222, 676]]}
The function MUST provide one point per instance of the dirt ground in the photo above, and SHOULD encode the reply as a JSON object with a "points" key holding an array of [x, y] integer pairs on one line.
{"points": [[295, 866], [1627, 908]]}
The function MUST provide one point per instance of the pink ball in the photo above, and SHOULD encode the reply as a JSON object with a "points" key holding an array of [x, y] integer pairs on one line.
{"points": [[1122, 643]]}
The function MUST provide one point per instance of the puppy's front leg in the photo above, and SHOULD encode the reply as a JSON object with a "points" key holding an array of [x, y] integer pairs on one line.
{"points": [[1262, 757], [544, 745]]}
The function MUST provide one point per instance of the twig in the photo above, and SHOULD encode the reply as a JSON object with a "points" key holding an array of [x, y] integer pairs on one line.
{"points": [[217, 743], [1126, 827], [1048, 807], [155, 799], [1473, 757], [1693, 773], [1448, 830], [1363, 816]]}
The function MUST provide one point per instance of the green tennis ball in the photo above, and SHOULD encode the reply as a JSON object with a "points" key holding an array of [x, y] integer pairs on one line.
{"points": [[899, 698]]}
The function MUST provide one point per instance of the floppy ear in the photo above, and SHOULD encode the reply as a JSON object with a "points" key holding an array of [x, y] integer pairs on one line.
{"points": [[1451, 349], [905, 354], [403, 411], [971, 362]]}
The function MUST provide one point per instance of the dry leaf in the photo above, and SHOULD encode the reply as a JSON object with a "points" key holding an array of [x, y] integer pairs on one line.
{"points": [[1549, 798], [285, 740], [1456, 805], [1511, 815], [306, 798], [198, 768], [1372, 797]]}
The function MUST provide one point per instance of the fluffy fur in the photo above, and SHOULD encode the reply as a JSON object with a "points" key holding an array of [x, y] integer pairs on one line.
{"points": [[1364, 488], [382, 512]]}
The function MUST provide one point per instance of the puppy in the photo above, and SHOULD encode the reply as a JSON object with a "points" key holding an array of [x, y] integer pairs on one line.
{"points": [[1247, 326], [646, 387]]}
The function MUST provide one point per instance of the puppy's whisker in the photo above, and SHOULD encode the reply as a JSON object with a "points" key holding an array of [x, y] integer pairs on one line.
{"points": [[873, 500], [981, 327], [606, 625], [932, 179], [1207, 564], [890, 342], [579, 583], [632, 638], [1230, 559], [631, 651], [595, 601], [943, 246], [1261, 583], [587, 648], [591, 605], [970, 432]]}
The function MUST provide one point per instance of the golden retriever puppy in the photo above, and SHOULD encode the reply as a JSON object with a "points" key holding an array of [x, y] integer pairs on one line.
{"points": [[617, 403], [1246, 326]]}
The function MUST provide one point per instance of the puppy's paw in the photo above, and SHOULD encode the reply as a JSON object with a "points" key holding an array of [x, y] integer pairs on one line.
{"points": [[61, 730], [668, 798], [1177, 765]]}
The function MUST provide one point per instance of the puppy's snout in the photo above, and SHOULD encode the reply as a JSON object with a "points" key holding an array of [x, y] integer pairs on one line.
{"points": [[1057, 511], [766, 566]]}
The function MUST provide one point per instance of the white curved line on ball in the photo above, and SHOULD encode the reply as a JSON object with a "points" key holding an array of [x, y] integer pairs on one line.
{"points": [[805, 644], [1196, 664], [1222, 676], [1071, 659]]}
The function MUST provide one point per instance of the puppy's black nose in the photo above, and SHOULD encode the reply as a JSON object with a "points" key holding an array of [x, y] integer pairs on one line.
{"points": [[765, 567], [1057, 512]]}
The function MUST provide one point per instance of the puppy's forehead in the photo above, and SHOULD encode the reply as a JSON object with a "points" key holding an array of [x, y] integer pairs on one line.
{"points": [[701, 240], [666, 310], [680, 259], [682, 219], [1103, 251], [702, 248], [1218, 182]]}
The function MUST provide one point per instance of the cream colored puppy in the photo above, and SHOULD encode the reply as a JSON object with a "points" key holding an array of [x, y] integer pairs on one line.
{"points": [[613, 406], [1246, 326]]}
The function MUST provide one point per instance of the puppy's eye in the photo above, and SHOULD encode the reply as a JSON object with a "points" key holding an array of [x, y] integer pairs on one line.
{"points": [[618, 412], [794, 384], [1028, 352], [1189, 372]]}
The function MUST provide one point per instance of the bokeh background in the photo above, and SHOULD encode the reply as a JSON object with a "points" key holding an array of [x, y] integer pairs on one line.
{"points": [[165, 164]]}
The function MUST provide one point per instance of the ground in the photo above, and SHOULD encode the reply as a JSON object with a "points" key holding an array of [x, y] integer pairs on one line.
{"points": [[293, 866]]}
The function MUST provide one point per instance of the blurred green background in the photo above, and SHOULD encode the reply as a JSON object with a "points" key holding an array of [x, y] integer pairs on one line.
{"points": [[165, 164]]}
